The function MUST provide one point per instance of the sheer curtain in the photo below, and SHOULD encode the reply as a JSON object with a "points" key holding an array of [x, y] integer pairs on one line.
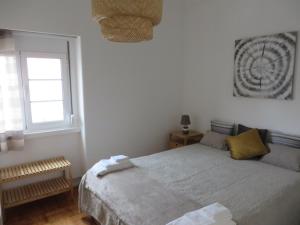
{"points": [[11, 112]]}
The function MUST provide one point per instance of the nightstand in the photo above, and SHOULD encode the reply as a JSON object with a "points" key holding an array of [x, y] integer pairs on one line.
{"points": [[178, 139]]}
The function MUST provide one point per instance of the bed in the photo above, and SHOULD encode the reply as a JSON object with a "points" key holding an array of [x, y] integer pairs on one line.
{"points": [[164, 186]]}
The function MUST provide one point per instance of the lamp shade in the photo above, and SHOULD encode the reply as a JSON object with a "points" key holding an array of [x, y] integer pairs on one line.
{"points": [[185, 120], [127, 20]]}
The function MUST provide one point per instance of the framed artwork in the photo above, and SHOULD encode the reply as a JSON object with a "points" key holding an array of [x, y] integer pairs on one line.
{"points": [[264, 66]]}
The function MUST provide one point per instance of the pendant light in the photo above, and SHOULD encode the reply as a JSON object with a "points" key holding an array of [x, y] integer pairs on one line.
{"points": [[127, 20]]}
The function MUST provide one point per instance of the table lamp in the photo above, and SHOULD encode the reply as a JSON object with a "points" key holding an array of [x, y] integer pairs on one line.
{"points": [[185, 122]]}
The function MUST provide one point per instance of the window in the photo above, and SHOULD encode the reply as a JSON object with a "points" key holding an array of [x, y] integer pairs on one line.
{"points": [[46, 85], [38, 83]]}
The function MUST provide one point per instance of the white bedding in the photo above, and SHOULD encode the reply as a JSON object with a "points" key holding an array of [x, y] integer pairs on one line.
{"points": [[256, 193]]}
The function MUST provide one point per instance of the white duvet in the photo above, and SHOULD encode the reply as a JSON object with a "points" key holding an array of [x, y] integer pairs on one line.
{"points": [[187, 179]]}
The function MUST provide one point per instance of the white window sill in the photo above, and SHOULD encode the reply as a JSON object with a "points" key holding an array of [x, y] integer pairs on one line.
{"points": [[48, 133]]}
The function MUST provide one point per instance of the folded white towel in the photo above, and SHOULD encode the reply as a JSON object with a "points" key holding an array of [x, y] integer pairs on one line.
{"points": [[217, 212], [199, 220], [106, 166], [120, 158], [186, 220], [214, 214]]}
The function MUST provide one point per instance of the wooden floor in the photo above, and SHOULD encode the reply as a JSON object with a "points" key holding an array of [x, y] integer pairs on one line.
{"points": [[57, 210]]}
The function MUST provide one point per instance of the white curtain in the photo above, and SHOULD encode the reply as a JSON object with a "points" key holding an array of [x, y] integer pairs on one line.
{"points": [[11, 113]]}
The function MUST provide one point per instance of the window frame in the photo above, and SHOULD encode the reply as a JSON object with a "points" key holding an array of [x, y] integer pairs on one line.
{"points": [[66, 89]]}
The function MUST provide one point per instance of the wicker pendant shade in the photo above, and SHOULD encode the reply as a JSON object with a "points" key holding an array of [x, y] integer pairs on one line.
{"points": [[127, 20]]}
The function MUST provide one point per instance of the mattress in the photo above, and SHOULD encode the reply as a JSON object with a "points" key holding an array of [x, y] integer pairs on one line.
{"points": [[166, 185]]}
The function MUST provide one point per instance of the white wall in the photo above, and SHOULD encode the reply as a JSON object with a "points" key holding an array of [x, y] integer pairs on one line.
{"points": [[68, 145], [131, 91], [211, 26]]}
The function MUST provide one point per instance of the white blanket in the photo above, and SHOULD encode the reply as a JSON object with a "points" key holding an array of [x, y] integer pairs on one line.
{"points": [[256, 193]]}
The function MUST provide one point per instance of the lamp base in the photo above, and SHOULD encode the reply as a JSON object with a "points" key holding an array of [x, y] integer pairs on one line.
{"points": [[185, 130]]}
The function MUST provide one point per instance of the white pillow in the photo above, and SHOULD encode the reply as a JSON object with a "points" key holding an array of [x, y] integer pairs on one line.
{"points": [[283, 156], [215, 140]]}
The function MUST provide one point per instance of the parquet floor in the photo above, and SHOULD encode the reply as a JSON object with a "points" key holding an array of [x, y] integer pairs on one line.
{"points": [[57, 210]]}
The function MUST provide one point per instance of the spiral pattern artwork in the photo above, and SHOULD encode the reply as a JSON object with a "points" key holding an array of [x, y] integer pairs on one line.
{"points": [[264, 66]]}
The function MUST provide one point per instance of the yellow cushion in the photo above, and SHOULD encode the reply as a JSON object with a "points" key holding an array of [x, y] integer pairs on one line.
{"points": [[246, 145]]}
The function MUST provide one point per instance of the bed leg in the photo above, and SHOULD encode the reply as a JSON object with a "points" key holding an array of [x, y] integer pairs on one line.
{"points": [[68, 176]]}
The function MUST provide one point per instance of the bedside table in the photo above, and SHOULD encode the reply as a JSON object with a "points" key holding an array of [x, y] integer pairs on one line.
{"points": [[178, 139]]}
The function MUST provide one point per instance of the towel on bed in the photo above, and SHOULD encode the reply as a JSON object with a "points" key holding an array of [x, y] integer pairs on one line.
{"points": [[217, 212], [214, 214], [115, 163], [120, 158]]}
